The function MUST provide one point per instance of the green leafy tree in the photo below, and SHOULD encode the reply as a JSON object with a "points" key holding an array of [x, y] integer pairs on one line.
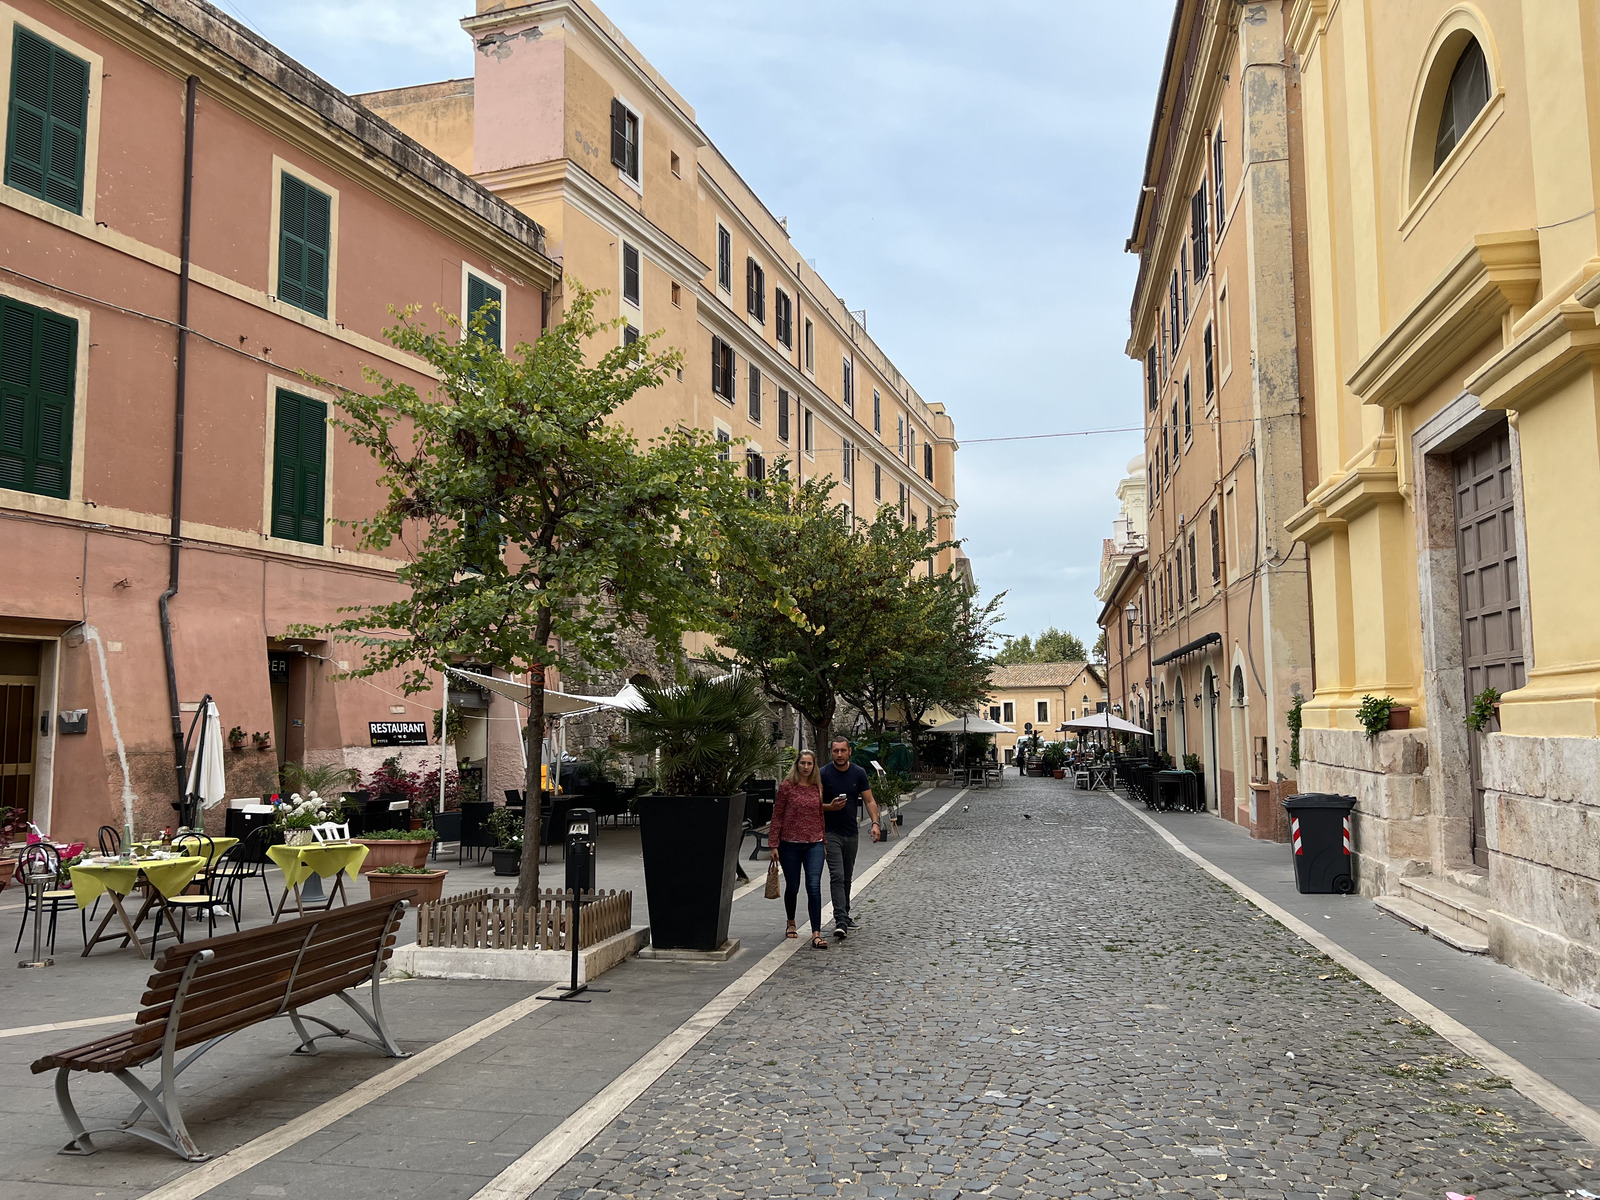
{"points": [[954, 673], [1100, 647], [536, 528], [1052, 645]]}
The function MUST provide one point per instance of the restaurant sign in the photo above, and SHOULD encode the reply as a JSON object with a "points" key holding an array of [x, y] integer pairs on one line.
{"points": [[399, 733]]}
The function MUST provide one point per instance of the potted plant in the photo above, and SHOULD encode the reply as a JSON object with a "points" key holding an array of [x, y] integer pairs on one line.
{"points": [[13, 827], [296, 815], [1053, 759], [386, 847], [1378, 713], [263, 741], [704, 737], [236, 738], [506, 853], [387, 881]]}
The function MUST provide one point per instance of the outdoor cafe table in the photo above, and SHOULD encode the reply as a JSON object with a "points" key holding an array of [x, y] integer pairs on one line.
{"points": [[299, 863], [166, 877], [1101, 775], [219, 846]]}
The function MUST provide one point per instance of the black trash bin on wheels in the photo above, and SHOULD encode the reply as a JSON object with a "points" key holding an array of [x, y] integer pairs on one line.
{"points": [[1319, 832]]}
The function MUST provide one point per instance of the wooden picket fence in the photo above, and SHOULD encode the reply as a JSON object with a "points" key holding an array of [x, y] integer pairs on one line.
{"points": [[489, 919]]}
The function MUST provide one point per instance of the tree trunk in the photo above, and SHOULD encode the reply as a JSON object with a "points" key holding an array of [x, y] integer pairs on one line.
{"points": [[533, 732]]}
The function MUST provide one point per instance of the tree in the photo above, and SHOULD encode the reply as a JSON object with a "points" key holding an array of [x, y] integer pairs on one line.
{"points": [[537, 529], [1100, 647], [1051, 646], [806, 595], [954, 674]]}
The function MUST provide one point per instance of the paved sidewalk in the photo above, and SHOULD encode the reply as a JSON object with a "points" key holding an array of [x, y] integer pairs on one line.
{"points": [[1552, 1034]]}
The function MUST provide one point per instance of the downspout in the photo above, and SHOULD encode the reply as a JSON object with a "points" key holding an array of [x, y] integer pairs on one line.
{"points": [[174, 537]]}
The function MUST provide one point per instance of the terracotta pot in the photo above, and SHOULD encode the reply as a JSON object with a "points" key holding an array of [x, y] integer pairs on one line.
{"points": [[1059, 773], [1399, 718], [388, 852], [238, 745], [415, 823], [264, 746], [8, 870], [428, 887]]}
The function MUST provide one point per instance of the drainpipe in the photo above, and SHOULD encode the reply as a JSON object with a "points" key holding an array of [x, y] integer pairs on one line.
{"points": [[174, 538]]}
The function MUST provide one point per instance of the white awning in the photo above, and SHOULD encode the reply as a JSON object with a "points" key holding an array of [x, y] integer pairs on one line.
{"points": [[556, 704]]}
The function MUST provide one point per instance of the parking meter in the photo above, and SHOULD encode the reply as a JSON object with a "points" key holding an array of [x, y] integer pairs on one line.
{"points": [[581, 830]]}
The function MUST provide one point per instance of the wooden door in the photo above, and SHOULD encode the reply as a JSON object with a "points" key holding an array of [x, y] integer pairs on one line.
{"points": [[1491, 589], [19, 722]]}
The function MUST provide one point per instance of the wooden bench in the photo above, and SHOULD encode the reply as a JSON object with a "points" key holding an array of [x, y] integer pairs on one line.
{"points": [[202, 992]]}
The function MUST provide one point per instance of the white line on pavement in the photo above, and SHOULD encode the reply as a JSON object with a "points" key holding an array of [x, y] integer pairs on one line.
{"points": [[22, 1030], [535, 1167], [1530, 1083]]}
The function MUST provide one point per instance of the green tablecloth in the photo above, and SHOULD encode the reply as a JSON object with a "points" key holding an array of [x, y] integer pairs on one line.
{"points": [[169, 876], [299, 863]]}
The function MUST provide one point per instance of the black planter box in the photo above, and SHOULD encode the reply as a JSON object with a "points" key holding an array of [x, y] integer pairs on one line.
{"points": [[689, 845], [507, 861]]}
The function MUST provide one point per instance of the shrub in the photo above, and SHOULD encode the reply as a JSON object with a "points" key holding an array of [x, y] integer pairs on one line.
{"points": [[1374, 714], [507, 829], [401, 869], [399, 835]]}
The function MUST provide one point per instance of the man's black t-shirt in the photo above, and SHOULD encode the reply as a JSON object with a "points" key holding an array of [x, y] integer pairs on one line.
{"points": [[850, 782]]}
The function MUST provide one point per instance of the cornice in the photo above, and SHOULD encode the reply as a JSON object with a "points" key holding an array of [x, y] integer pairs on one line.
{"points": [[1308, 21], [1361, 489], [1496, 275], [574, 16], [252, 77], [1521, 374], [1312, 524]]}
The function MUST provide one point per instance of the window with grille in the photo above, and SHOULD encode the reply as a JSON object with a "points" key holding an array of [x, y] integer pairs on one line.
{"points": [[625, 139], [299, 465], [754, 394], [47, 127], [630, 274], [305, 236], [38, 388]]}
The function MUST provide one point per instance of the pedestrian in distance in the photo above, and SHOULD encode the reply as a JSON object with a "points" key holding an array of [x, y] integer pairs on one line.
{"points": [[796, 836], [845, 789]]}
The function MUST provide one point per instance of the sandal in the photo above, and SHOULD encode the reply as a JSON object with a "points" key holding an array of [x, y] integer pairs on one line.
{"points": [[818, 942], [790, 932]]}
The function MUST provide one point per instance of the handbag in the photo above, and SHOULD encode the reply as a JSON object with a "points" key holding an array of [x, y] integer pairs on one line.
{"points": [[772, 879]]}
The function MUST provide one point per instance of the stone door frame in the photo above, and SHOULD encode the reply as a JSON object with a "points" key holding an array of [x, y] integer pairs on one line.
{"points": [[1433, 444]]}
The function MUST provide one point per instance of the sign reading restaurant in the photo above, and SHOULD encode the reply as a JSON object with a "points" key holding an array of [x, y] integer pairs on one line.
{"points": [[399, 733]]}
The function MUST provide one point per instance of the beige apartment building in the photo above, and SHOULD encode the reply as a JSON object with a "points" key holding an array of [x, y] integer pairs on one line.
{"points": [[566, 120], [1041, 696]]}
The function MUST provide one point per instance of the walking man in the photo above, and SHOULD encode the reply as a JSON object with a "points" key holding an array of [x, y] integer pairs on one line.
{"points": [[844, 789]]}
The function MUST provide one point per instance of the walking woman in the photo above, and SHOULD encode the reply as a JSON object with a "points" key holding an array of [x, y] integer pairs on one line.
{"points": [[796, 840]]}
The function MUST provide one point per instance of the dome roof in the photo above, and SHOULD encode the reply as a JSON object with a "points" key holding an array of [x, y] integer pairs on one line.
{"points": [[1136, 465]]}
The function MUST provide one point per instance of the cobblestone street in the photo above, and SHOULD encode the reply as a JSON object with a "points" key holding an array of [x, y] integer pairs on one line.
{"points": [[1043, 999]]}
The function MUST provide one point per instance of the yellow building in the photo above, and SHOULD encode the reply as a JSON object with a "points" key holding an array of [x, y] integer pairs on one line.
{"points": [[565, 119], [1038, 697], [1452, 162]]}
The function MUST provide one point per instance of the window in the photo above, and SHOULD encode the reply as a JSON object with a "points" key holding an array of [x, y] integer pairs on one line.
{"points": [[1151, 387], [724, 259], [1183, 284], [47, 129], [305, 235], [783, 317], [1164, 359], [994, 713], [1210, 357], [1188, 411], [1009, 713], [755, 288], [1216, 178], [877, 412], [1041, 712], [1224, 336], [677, 166], [724, 440], [877, 482], [911, 445], [1177, 446], [630, 274], [299, 463], [927, 461], [481, 292], [848, 468], [783, 415], [1179, 557], [808, 430], [900, 436], [903, 501], [1467, 93], [722, 379], [1216, 548], [677, 296], [1175, 331], [630, 334], [755, 470], [849, 385], [754, 395], [1199, 234], [38, 388], [625, 139], [811, 348], [1194, 583]]}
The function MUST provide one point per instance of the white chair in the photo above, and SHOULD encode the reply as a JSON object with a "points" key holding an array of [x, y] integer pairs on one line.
{"points": [[330, 831]]}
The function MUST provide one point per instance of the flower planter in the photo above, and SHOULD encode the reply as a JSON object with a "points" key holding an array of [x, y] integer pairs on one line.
{"points": [[415, 823], [8, 870], [1399, 718], [428, 887], [689, 845], [1059, 773], [298, 837], [389, 852], [507, 859]]}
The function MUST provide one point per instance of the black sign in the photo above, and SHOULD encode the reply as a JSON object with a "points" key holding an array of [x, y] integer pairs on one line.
{"points": [[277, 666], [399, 733]]}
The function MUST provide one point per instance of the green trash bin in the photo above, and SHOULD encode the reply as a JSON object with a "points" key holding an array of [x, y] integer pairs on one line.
{"points": [[1319, 833]]}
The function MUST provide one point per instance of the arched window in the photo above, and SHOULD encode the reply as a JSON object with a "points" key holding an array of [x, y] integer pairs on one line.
{"points": [[1464, 98]]}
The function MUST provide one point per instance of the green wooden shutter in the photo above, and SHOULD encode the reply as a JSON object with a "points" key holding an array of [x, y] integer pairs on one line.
{"points": [[48, 121], [305, 237], [479, 293], [299, 464], [38, 375]]}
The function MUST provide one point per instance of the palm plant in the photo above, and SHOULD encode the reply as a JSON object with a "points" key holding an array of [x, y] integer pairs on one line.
{"points": [[328, 779], [706, 737]]}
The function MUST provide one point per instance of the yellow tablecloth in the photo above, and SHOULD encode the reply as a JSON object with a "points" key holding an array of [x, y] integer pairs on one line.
{"points": [[299, 863], [219, 846], [169, 876]]}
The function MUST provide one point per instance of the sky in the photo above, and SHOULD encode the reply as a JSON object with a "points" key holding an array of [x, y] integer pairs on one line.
{"points": [[964, 172]]}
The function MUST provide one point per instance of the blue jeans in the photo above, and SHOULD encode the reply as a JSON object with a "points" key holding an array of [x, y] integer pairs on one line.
{"points": [[792, 856]]}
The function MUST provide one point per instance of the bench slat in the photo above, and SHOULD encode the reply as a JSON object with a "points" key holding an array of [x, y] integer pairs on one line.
{"points": [[232, 975]]}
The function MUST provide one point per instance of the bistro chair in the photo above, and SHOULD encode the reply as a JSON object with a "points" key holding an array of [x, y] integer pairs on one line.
{"points": [[331, 831], [110, 840], [251, 861], [43, 859], [201, 902], [222, 890]]}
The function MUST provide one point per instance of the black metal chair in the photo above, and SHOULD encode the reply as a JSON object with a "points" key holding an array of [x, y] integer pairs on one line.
{"points": [[253, 860], [514, 798], [447, 828], [110, 840], [202, 901], [44, 859], [475, 834]]}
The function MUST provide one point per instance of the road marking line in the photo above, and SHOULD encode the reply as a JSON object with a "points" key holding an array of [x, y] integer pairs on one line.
{"points": [[241, 1158], [535, 1168], [1554, 1100], [23, 1030]]}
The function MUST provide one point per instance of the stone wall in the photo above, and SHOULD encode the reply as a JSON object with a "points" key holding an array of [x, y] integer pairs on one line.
{"points": [[1542, 819], [1388, 776]]}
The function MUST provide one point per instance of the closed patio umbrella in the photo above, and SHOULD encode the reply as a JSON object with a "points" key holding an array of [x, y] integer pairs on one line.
{"points": [[208, 777]]}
